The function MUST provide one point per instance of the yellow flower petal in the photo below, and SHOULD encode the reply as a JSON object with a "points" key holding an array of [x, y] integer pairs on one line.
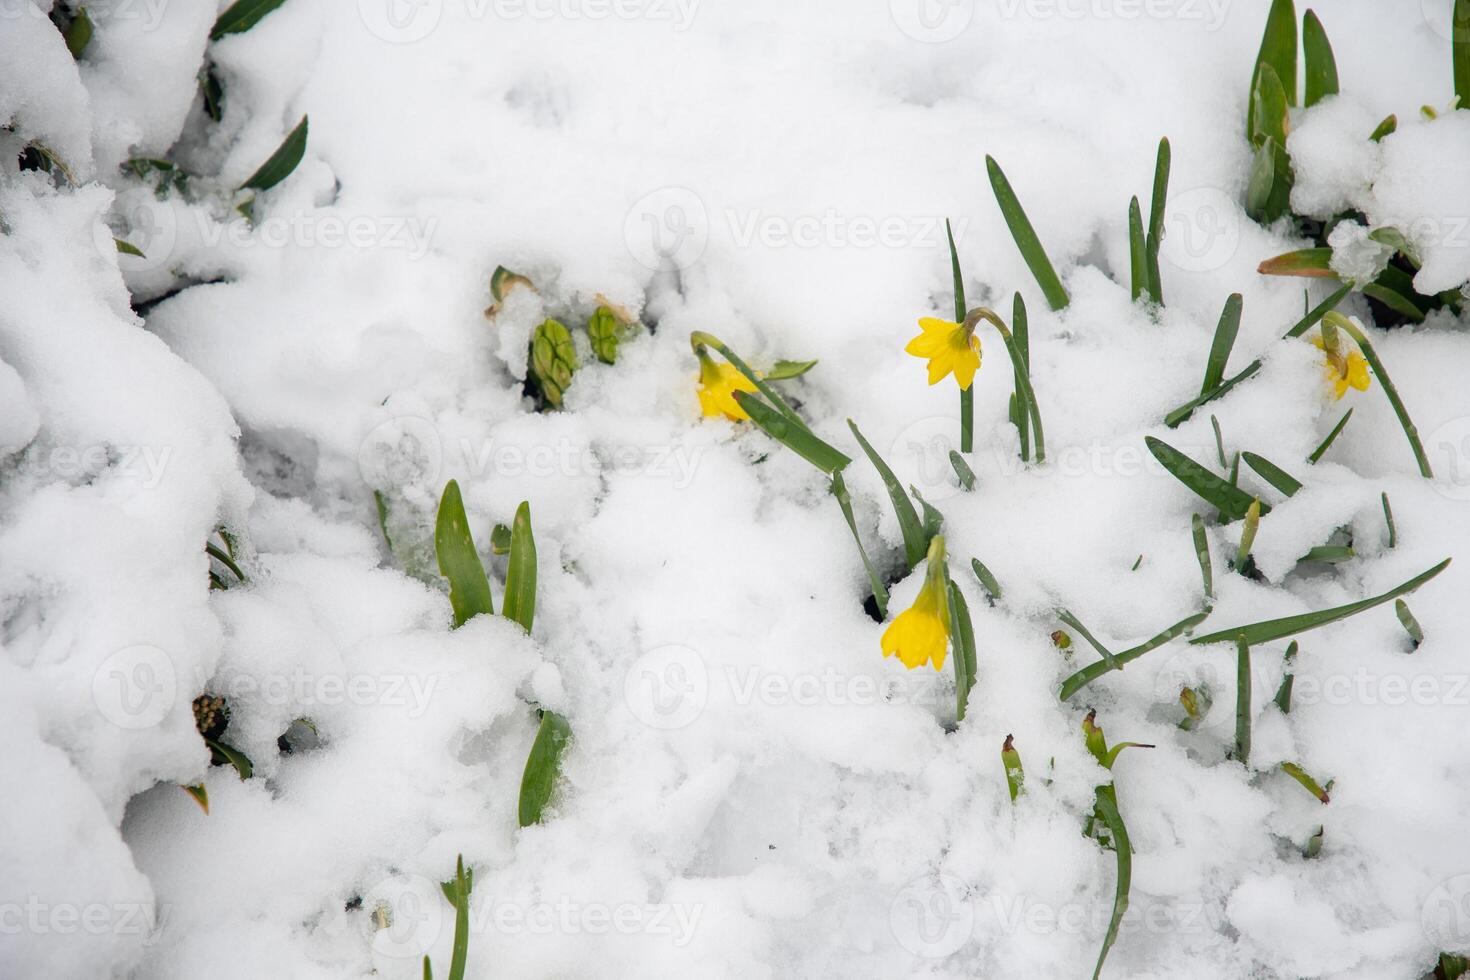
{"points": [[717, 392]]}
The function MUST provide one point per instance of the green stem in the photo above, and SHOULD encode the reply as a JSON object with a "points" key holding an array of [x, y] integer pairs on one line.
{"points": [[1371, 356]]}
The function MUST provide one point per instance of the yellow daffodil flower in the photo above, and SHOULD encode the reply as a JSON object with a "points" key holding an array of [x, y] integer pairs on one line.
{"points": [[950, 347], [717, 386], [920, 634], [1344, 370]]}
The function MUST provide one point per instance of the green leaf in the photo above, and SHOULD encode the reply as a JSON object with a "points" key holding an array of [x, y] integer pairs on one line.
{"points": [[1277, 629], [281, 162], [500, 540], [1272, 474], [962, 470], [1393, 535], [1025, 237], [967, 395], [1308, 783], [1070, 620], [1390, 391], [229, 755], [1107, 810], [128, 248], [469, 588], [1156, 222], [200, 795], [1231, 501], [1329, 554], [797, 438], [915, 541], [1410, 624], [225, 559], [1321, 450], [1395, 300], [1225, 333], [1314, 263], [844, 501], [962, 638], [1183, 412], [1242, 751], [986, 578], [1010, 761], [1460, 51], [1321, 67], [1388, 127], [78, 33], [1268, 192], [543, 766], [1137, 251], [933, 520], [520, 576], [463, 883], [1278, 53], [1316, 313], [1283, 692], [785, 370], [502, 280], [1094, 670], [241, 16], [1202, 553]]}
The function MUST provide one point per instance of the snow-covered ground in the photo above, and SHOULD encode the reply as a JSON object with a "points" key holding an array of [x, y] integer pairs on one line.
{"points": [[752, 790]]}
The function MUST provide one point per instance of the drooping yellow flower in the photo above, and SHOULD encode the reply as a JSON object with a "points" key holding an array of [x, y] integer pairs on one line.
{"points": [[1344, 370], [950, 347], [920, 634], [717, 386]]}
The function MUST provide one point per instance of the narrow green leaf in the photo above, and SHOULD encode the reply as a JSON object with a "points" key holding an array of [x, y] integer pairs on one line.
{"points": [[1393, 535], [500, 540], [1315, 263], [1231, 501], [1025, 237], [232, 756], [1183, 412], [543, 766], [469, 588], [1242, 702], [128, 248], [915, 542], [1283, 692], [1070, 620], [1156, 222], [502, 280], [1321, 67], [1460, 51], [459, 957], [1137, 251], [967, 395], [797, 438], [1272, 474], [1411, 433], [1329, 554], [962, 634], [1321, 450], [281, 162], [201, 796], [1219, 442], [1202, 553], [1225, 333], [1020, 411], [1388, 127], [933, 520], [786, 370], [1395, 300], [1010, 761], [962, 470], [1248, 534], [219, 555], [1278, 51], [986, 578], [1107, 810], [1094, 670], [1314, 316], [1308, 783], [520, 576], [241, 16], [1410, 624], [844, 501], [1277, 629], [78, 33]]}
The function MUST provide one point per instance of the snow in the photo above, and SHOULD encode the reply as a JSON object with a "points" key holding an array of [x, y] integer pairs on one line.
{"points": [[751, 789]]}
